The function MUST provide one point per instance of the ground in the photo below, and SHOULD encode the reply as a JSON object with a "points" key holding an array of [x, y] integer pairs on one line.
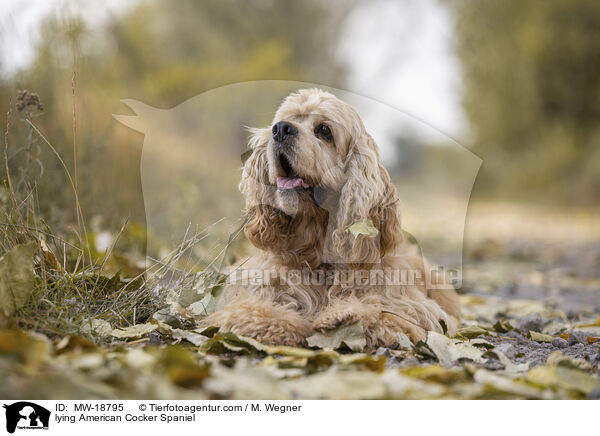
{"points": [[531, 309]]}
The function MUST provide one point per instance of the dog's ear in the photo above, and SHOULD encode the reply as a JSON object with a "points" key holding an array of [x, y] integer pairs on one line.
{"points": [[264, 223], [266, 227], [367, 224], [255, 173], [386, 218]]}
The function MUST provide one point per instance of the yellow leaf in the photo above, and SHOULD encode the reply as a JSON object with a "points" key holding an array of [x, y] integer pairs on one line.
{"points": [[16, 277], [540, 337], [363, 227]]}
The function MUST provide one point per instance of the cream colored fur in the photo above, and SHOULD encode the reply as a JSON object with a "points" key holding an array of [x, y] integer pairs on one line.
{"points": [[300, 234]]}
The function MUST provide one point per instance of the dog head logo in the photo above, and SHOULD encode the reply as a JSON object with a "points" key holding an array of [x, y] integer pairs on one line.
{"points": [[26, 415], [190, 169]]}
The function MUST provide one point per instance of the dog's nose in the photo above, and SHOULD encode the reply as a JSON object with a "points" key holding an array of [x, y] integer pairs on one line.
{"points": [[283, 130]]}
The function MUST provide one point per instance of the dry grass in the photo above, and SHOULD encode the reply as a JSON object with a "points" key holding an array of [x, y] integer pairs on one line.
{"points": [[72, 282]]}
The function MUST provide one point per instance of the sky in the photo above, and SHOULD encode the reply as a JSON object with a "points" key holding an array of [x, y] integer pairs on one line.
{"points": [[20, 20], [400, 53], [397, 52]]}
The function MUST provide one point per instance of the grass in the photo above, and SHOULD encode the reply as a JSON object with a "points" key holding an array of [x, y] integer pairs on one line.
{"points": [[73, 283]]}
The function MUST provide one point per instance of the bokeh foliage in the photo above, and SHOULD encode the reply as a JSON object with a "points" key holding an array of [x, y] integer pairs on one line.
{"points": [[161, 53], [532, 95]]}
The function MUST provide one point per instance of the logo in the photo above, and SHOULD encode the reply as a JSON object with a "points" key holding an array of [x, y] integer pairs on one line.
{"points": [[26, 415], [192, 152]]}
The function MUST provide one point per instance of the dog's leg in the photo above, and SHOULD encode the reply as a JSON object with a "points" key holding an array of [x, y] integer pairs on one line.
{"points": [[262, 319], [381, 322]]}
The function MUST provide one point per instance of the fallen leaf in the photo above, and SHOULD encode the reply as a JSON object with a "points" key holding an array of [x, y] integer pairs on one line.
{"points": [[448, 352], [182, 366], [594, 324], [482, 343], [352, 335], [540, 337], [208, 331], [29, 349], [554, 327], [337, 383], [318, 361], [165, 316], [210, 303], [363, 227], [399, 386], [134, 331], [244, 381], [48, 255], [98, 326], [73, 343], [494, 384], [435, 373], [188, 376], [140, 359], [188, 296], [563, 377], [16, 277], [559, 359], [103, 328], [284, 350], [227, 342], [192, 337], [503, 326], [404, 341], [424, 350], [471, 332], [444, 326], [510, 368], [369, 361]]}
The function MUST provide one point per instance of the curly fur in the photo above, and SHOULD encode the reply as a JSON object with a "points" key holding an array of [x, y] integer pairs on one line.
{"points": [[301, 233]]}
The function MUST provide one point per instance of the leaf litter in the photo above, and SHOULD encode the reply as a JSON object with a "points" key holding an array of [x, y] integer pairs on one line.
{"points": [[165, 356]]}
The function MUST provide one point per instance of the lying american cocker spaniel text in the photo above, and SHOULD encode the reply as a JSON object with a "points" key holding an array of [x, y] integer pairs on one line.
{"points": [[326, 218]]}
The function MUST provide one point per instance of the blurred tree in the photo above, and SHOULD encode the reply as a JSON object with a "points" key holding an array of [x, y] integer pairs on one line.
{"points": [[162, 53], [532, 94]]}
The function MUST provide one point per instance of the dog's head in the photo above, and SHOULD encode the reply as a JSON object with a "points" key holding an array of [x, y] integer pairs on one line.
{"points": [[313, 175]]}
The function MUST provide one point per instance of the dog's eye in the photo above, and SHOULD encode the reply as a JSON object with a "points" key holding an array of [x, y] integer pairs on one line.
{"points": [[324, 131]]}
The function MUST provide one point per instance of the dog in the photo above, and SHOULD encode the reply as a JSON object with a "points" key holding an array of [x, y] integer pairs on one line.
{"points": [[325, 217]]}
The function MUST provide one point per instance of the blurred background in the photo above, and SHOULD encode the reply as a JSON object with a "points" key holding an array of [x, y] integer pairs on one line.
{"points": [[516, 83]]}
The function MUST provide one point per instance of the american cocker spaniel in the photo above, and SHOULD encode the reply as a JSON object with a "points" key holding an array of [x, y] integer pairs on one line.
{"points": [[326, 219]]}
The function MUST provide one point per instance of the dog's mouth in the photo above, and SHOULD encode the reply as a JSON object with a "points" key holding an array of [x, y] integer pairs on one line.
{"points": [[288, 179]]}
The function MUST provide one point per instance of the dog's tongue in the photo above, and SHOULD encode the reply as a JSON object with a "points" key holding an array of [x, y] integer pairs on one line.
{"points": [[291, 182]]}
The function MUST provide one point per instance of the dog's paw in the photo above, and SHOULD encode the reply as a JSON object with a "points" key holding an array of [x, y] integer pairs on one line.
{"points": [[289, 338], [334, 319], [275, 332]]}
